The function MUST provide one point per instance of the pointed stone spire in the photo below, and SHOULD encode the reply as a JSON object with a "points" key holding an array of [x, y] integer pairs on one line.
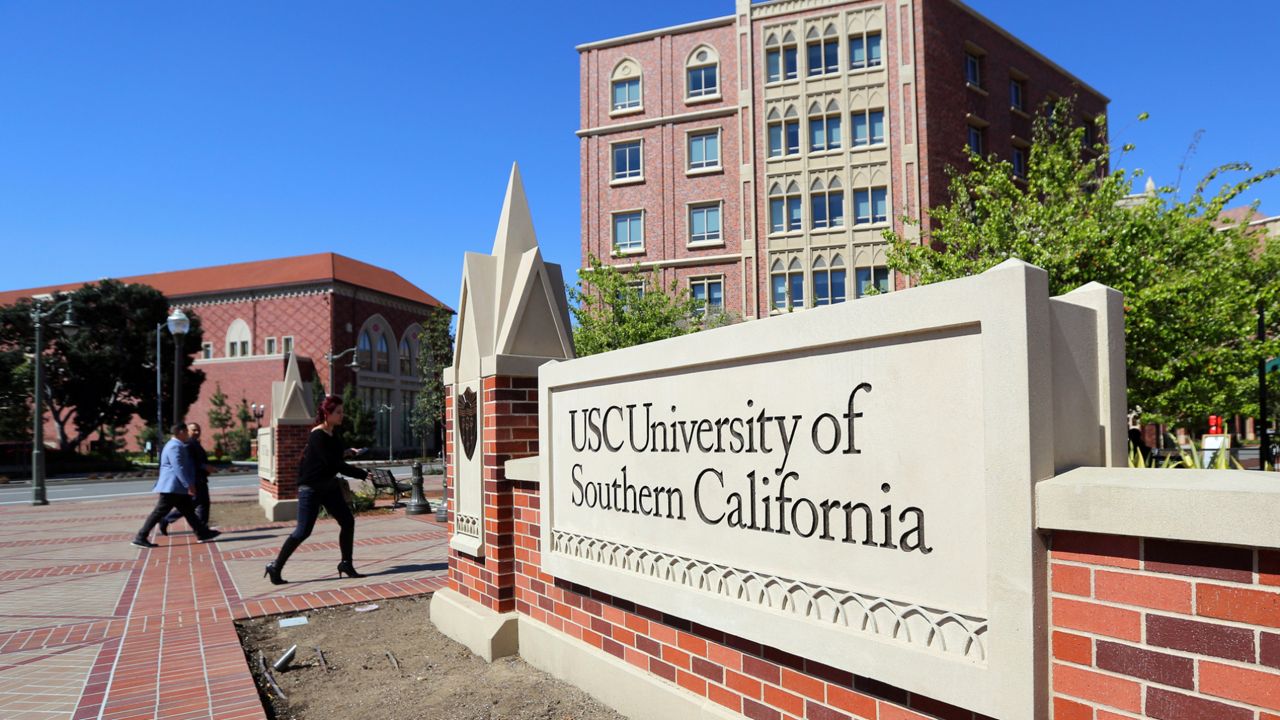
{"points": [[291, 399], [1150, 188], [514, 238]]}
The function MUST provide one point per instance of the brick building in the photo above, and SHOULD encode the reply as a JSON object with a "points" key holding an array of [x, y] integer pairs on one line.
{"points": [[759, 157], [254, 313]]}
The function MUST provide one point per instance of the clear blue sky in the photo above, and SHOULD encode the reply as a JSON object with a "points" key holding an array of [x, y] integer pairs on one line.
{"points": [[147, 136]]}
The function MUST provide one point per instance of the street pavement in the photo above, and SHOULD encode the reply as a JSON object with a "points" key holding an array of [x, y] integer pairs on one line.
{"points": [[85, 617]]}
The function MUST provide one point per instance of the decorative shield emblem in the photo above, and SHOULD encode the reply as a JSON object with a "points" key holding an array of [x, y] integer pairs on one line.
{"points": [[467, 421]]}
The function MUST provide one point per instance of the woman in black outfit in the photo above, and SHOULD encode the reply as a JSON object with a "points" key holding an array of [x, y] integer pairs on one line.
{"points": [[318, 487]]}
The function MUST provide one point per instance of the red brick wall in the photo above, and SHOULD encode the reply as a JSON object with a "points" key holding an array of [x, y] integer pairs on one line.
{"points": [[510, 431], [290, 441], [1163, 629], [943, 28]]}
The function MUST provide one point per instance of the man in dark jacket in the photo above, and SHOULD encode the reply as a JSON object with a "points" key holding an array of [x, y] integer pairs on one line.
{"points": [[200, 461]]}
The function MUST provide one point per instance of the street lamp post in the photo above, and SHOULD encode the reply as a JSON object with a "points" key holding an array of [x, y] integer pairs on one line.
{"points": [[354, 366], [69, 326], [258, 411], [159, 392], [178, 327]]}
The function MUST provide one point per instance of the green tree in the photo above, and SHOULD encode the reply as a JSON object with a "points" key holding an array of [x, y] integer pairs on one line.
{"points": [[1190, 281], [357, 420], [15, 395], [105, 374], [219, 421], [620, 308], [435, 353]]}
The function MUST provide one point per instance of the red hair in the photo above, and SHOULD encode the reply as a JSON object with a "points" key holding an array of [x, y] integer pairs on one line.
{"points": [[327, 406]]}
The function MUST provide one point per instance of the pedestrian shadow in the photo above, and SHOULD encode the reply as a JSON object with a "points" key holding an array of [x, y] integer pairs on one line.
{"points": [[232, 535], [419, 567]]}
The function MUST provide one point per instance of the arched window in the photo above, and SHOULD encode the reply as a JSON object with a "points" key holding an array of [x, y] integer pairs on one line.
{"points": [[382, 358], [780, 58], [625, 87], [828, 281], [784, 133], [702, 74], [787, 284], [406, 357], [823, 53], [784, 208], [364, 350], [239, 339]]}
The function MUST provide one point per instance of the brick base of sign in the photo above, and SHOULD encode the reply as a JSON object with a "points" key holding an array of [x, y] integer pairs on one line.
{"points": [[510, 419], [279, 499], [1163, 629]]}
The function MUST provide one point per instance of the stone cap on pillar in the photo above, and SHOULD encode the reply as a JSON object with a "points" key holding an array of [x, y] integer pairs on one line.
{"points": [[291, 399], [512, 314]]}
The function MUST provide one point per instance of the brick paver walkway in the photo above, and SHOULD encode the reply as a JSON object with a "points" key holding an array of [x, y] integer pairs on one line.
{"points": [[92, 627]]}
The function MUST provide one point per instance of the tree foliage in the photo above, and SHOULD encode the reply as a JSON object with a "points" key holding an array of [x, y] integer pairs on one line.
{"points": [[1191, 281], [620, 308], [103, 375], [357, 420], [219, 421], [435, 353], [15, 395]]}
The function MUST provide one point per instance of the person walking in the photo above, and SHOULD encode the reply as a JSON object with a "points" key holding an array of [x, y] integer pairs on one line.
{"points": [[318, 486], [175, 487], [199, 459]]}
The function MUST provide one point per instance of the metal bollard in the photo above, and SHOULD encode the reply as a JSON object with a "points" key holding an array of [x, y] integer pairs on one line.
{"points": [[442, 510], [418, 504]]}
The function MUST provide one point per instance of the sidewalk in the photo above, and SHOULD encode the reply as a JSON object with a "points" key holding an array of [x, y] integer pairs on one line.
{"points": [[92, 627]]}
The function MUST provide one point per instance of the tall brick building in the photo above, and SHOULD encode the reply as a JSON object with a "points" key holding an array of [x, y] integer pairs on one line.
{"points": [[254, 313], [758, 157]]}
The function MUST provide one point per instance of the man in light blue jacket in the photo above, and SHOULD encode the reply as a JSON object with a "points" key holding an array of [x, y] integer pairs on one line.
{"points": [[176, 484]]}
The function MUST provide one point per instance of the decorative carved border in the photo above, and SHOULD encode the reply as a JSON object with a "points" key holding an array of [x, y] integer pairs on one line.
{"points": [[467, 524], [924, 627]]}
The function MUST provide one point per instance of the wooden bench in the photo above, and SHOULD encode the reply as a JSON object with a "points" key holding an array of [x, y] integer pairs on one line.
{"points": [[384, 482]]}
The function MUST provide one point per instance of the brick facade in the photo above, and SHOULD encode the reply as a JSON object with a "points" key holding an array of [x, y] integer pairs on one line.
{"points": [[920, 86], [1163, 629], [290, 440]]}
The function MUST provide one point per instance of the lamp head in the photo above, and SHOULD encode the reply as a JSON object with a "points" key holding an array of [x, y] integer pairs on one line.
{"points": [[179, 324], [69, 325]]}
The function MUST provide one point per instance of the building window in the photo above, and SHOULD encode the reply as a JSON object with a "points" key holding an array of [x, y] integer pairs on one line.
{"points": [[364, 350], [1090, 133], [628, 231], [784, 209], [827, 209], [708, 290], [824, 132], [868, 128], [870, 206], [1016, 92], [973, 69], [704, 150], [626, 161], [872, 281], [287, 343], [704, 223], [270, 348], [406, 357], [239, 339], [784, 138], [787, 285], [382, 358], [626, 94], [828, 282], [976, 140], [781, 64], [702, 74], [206, 350], [824, 55], [408, 436], [1019, 163], [637, 286], [864, 51]]}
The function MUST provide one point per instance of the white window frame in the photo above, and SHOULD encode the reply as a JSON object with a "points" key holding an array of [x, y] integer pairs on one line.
{"points": [[691, 64], [705, 281], [269, 346], [690, 169], [704, 205], [286, 344], [613, 171], [206, 351], [871, 139], [613, 231], [867, 64]]}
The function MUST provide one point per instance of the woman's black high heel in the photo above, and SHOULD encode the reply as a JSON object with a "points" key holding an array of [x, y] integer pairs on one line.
{"points": [[346, 568], [273, 572]]}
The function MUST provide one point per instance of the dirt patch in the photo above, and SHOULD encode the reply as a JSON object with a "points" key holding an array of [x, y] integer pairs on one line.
{"points": [[437, 678]]}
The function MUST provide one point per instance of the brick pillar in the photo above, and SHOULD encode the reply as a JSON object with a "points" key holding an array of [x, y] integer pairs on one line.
{"points": [[510, 412], [290, 439]]}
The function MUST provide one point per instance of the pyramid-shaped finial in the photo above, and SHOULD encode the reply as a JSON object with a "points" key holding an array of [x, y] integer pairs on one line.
{"points": [[292, 397], [515, 234]]}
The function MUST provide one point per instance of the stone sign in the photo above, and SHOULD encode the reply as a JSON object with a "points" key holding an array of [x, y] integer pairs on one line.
{"points": [[852, 484]]}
